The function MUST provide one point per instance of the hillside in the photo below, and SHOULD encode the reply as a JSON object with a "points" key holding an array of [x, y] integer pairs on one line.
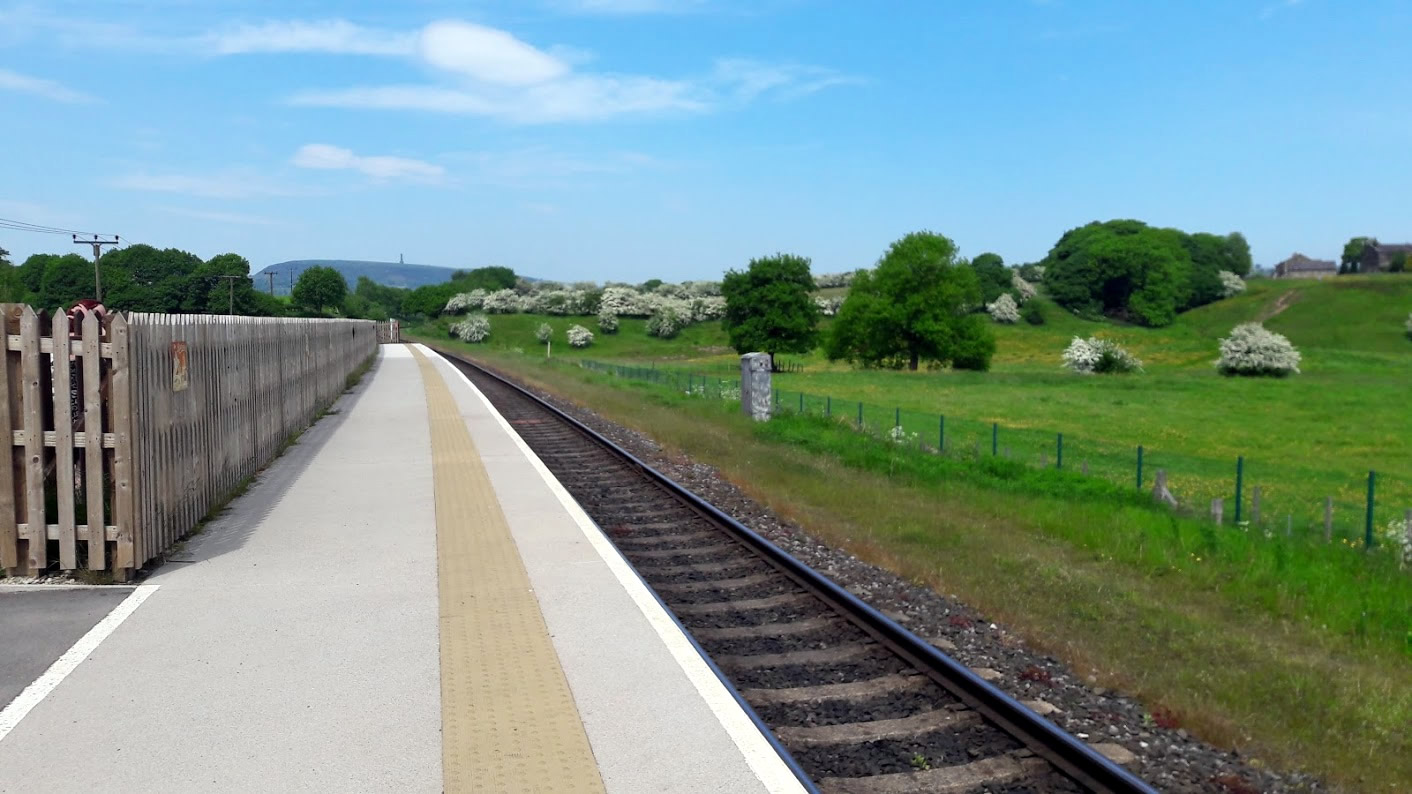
{"points": [[392, 274]]}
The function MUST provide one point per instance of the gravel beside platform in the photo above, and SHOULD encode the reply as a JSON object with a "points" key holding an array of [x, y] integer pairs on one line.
{"points": [[1169, 759]]}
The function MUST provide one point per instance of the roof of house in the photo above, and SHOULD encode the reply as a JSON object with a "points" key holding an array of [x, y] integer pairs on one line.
{"points": [[1392, 248], [1302, 262]]}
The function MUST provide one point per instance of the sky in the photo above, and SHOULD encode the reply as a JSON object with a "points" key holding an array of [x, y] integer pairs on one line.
{"points": [[675, 139]]}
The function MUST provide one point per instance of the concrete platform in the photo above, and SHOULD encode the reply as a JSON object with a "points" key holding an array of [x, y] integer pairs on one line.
{"points": [[298, 644]]}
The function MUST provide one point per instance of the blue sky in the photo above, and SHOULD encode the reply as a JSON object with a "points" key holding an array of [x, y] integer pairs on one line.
{"points": [[629, 139]]}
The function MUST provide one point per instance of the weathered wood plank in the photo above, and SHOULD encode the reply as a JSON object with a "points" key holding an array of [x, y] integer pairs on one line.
{"points": [[14, 343], [64, 447], [31, 367], [93, 455], [9, 407], [121, 396]]}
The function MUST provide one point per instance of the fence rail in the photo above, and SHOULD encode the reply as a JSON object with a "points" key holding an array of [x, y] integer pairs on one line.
{"points": [[389, 332], [125, 436]]}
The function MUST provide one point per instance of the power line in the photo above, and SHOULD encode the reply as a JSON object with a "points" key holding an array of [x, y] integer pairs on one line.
{"points": [[26, 226]]}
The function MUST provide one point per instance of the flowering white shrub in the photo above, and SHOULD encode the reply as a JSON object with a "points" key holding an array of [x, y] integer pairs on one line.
{"points": [[671, 291], [1004, 309], [543, 332], [702, 289], [1409, 326], [502, 301], [465, 301], [1099, 356], [702, 310], [475, 328], [1231, 284], [1252, 350], [624, 302], [826, 280], [1398, 536], [580, 336], [1024, 290], [608, 322], [828, 307], [665, 323]]}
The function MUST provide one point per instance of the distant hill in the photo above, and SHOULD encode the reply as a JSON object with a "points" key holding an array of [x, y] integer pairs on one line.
{"points": [[392, 274]]}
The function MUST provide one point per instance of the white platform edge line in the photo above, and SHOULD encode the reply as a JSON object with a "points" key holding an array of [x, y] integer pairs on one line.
{"points": [[35, 693], [762, 759]]}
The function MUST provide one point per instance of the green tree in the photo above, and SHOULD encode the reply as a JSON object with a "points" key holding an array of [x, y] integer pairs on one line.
{"points": [[12, 288], [1353, 253], [218, 284], [319, 289], [1123, 269], [66, 279], [386, 300], [154, 280], [770, 306], [914, 306], [993, 275]]}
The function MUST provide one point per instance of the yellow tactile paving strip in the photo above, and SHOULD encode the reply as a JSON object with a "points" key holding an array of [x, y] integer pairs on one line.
{"points": [[508, 720]]}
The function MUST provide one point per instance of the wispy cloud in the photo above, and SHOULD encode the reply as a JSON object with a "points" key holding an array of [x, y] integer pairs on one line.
{"points": [[491, 73], [229, 184], [326, 36], [630, 6], [540, 167], [381, 167], [223, 217], [24, 84]]}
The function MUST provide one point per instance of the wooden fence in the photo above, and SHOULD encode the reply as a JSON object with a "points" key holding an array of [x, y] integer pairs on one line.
{"points": [[148, 422], [389, 333]]}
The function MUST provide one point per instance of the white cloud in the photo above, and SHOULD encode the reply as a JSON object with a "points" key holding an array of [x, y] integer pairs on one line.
{"points": [[486, 54], [540, 167], [230, 184], [326, 36], [322, 155], [24, 84], [222, 217], [748, 79], [630, 6]]}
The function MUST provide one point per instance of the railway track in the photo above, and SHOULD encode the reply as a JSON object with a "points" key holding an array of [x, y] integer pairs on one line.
{"points": [[861, 705]]}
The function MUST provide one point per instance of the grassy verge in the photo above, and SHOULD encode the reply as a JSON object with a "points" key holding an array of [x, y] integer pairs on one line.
{"points": [[1295, 652]]}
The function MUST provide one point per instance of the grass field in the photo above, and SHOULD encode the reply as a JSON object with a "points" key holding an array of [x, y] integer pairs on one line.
{"points": [[1298, 651]]}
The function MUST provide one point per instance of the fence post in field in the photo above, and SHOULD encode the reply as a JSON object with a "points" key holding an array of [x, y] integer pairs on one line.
{"points": [[1328, 519], [1218, 509], [828, 406], [941, 435], [1059, 452], [1160, 492], [755, 385], [994, 438], [1255, 504], [860, 416], [1240, 482], [1044, 460], [1406, 535], [1368, 518], [896, 417], [801, 402], [1083, 468], [1289, 525], [1139, 469]]}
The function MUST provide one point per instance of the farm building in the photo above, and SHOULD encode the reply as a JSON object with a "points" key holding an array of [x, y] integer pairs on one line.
{"points": [[1382, 257], [1301, 266]]}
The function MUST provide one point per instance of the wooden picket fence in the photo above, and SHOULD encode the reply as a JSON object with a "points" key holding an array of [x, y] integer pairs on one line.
{"points": [[389, 333], [148, 422]]}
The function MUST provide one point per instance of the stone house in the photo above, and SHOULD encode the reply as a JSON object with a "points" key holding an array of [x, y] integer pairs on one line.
{"points": [[1301, 266], [1378, 257]]}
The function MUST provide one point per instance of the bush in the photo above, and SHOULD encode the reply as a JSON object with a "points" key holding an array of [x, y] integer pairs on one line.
{"points": [[1033, 313], [475, 328], [1398, 536], [465, 301], [1024, 290], [608, 322], [1252, 350], [664, 323], [1094, 356], [580, 336], [1409, 326], [543, 332], [504, 301], [1231, 284], [1004, 309]]}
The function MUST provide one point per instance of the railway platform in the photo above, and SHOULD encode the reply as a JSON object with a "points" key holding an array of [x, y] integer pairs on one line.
{"points": [[405, 601]]}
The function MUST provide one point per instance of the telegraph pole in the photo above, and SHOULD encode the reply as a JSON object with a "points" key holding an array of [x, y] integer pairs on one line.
{"points": [[230, 280], [97, 244], [270, 274]]}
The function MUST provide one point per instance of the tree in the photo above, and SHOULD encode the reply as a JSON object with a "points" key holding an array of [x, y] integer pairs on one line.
{"points": [[211, 292], [912, 307], [318, 289], [1125, 269], [770, 306], [993, 275], [12, 288], [1353, 253]]}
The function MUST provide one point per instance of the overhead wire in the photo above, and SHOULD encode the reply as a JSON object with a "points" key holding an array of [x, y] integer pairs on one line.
{"points": [[25, 226]]}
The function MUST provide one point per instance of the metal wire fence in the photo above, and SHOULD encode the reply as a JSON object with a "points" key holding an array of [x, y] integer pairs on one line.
{"points": [[1289, 497]]}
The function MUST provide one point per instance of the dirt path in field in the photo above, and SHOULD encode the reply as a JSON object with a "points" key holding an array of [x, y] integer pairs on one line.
{"points": [[1284, 302]]}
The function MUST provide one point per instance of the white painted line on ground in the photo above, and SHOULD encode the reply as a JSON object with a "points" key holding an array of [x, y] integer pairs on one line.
{"points": [[25, 702], [759, 755]]}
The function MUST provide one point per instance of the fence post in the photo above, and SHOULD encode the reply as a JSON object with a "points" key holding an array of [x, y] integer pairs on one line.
{"points": [[860, 416], [1255, 504], [1217, 510], [1139, 467], [1059, 453], [1328, 518], [994, 438], [896, 417], [801, 402], [941, 435], [828, 406], [1368, 519], [1240, 482]]}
